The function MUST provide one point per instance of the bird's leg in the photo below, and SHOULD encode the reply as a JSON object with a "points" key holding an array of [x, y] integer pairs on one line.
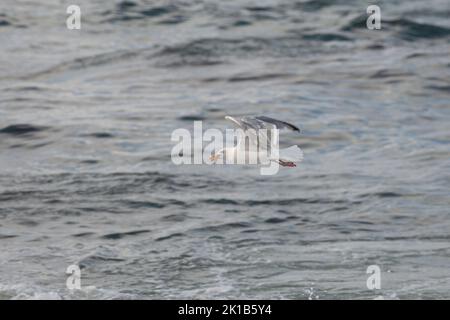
{"points": [[286, 163]]}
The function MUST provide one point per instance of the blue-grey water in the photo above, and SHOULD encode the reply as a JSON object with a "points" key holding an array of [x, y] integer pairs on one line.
{"points": [[86, 176]]}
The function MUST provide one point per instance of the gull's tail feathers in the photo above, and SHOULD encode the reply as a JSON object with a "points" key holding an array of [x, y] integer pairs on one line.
{"points": [[293, 153]]}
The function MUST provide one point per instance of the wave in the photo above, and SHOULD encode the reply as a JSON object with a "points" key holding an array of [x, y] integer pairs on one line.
{"points": [[278, 202], [103, 184], [129, 11], [411, 30], [35, 292], [120, 235], [402, 28], [5, 21], [22, 129], [87, 62], [214, 51]]}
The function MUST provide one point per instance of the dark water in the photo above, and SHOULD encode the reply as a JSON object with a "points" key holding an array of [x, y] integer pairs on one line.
{"points": [[86, 176]]}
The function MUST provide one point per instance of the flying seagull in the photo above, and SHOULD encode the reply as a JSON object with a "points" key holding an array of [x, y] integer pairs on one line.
{"points": [[257, 133]]}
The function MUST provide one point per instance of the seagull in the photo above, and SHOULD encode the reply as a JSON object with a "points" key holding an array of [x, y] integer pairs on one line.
{"points": [[258, 132]]}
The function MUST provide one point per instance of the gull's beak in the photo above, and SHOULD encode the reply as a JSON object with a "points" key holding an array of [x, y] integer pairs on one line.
{"points": [[213, 158]]}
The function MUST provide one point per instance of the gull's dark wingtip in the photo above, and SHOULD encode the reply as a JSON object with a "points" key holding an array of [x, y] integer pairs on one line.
{"points": [[292, 127], [279, 123]]}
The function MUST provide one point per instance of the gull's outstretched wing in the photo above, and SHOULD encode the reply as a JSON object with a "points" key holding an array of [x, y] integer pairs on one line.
{"points": [[236, 121], [250, 133], [262, 121], [252, 126]]}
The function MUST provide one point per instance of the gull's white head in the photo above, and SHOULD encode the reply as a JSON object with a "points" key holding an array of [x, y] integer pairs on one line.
{"points": [[217, 155]]}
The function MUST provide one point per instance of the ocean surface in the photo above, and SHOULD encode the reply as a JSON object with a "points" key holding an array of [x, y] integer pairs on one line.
{"points": [[86, 177]]}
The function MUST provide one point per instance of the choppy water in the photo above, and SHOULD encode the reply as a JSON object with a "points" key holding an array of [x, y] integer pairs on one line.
{"points": [[85, 170]]}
